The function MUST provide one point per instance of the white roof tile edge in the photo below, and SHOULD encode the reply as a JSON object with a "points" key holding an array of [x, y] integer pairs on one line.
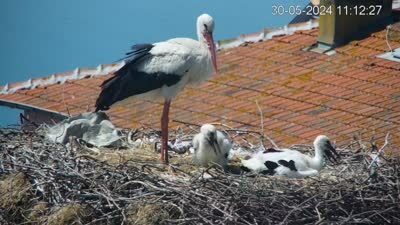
{"points": [[61, 78], [267, 34]]}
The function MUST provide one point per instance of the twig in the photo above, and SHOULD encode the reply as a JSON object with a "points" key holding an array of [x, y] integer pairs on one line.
{"points": [[380, 151], [59, 177], [262, 127]]}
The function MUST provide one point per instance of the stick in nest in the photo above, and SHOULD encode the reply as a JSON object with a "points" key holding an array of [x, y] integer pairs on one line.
{"points": [[263, 135], [380, 151]]}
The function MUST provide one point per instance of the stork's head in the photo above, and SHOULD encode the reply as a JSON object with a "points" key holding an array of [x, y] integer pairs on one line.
{"points": [[205, 28], [209, 131], [210, 134], [324, 147]]}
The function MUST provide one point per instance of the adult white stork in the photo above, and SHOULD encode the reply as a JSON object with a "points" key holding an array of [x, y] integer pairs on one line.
{"points": [[162, 70], [291, 163], [211, 146]]}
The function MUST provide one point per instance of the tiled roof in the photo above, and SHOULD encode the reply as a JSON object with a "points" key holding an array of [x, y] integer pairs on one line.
{"points": [[301, 93]]}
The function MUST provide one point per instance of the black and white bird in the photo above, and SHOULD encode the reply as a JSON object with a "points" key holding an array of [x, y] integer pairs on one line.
{"points": [[162, 70], [292, 163], [211, 146]]}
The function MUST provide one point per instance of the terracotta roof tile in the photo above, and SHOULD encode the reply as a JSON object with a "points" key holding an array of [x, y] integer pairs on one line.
{"points": [[301, 93]]}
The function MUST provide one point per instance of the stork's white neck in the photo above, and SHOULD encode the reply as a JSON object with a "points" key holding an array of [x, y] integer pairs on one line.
{"points": [[200, 35], [317, 161], [205, 28]]}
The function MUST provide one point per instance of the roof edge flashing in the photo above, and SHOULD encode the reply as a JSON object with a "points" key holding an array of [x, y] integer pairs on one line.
{"points": [[22, 106]]}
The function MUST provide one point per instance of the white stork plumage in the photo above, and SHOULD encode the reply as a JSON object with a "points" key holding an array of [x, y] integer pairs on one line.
{"points": [[162, 70], [292, 163], [211, 146]]}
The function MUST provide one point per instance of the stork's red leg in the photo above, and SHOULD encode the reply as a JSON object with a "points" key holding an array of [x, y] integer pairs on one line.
{"points": [[164, 132]]}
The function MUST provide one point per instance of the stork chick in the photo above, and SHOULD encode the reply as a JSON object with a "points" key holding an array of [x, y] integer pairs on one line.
{"points": [[211, 146], [292, 163]]}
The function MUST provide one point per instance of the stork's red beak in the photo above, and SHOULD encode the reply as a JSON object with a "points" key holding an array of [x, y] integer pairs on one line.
{"points": [[211, 47]]}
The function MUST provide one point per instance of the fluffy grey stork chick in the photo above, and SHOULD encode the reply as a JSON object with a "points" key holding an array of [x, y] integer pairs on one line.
{"points": [[211, 146]]}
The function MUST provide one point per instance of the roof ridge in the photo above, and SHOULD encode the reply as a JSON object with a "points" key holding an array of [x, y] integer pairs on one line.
{"points": [[267, 34], [61, 78]]}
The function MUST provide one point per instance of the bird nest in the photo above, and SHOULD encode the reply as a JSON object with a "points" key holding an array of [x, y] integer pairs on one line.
{"points": [[46, 183]]}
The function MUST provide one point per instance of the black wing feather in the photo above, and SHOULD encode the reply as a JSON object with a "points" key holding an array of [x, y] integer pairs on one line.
{"points": [[138, 52], [291, 165], [270, 150], [271, 166], [127, 81]]}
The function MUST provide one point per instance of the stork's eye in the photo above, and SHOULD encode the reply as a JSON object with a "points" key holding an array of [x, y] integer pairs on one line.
{"points": [[205, 26]]}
